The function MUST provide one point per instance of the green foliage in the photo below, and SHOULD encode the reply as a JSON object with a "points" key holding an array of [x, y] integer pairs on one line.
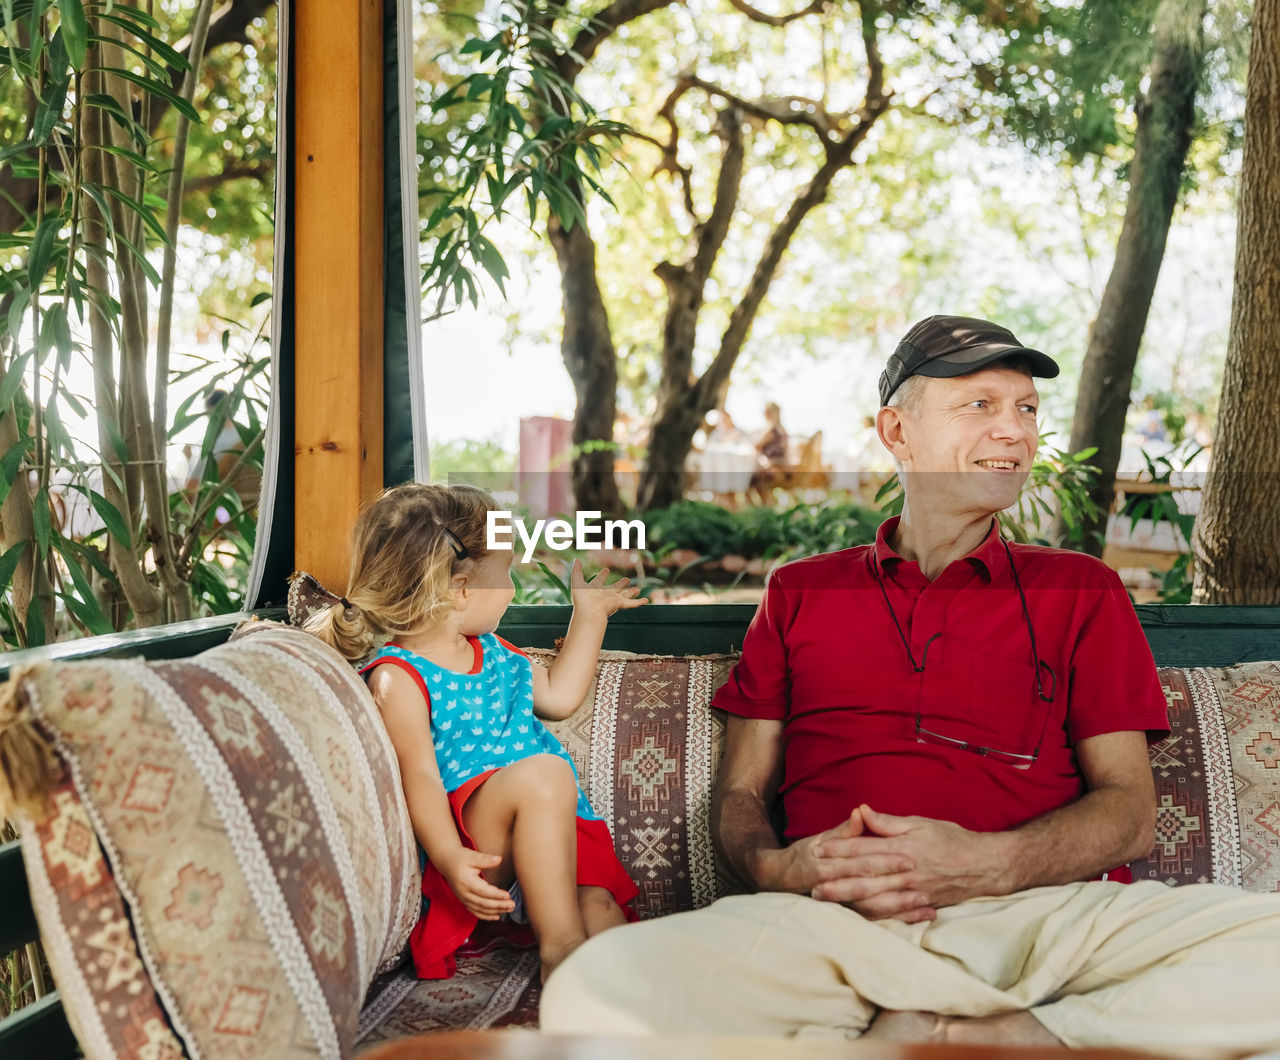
{"points": [[1060, 483], [516, 129], [701, 526], [484, 455], [231, 161], [541, 585], [95, 537], [803, 530], [1177, 582]]}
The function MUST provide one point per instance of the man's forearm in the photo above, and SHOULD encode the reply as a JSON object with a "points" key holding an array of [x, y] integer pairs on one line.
{"points": [[1101, 830], [744, 838]]}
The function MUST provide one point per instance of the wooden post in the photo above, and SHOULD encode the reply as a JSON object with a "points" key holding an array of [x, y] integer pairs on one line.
{"points": [[337, 232]]}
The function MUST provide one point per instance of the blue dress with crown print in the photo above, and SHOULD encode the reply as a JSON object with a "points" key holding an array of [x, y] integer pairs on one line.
{"points": [[484, 720]]}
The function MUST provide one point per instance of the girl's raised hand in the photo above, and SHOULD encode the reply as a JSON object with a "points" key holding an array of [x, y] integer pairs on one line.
{"points": [[598, 598], [483, 900]]}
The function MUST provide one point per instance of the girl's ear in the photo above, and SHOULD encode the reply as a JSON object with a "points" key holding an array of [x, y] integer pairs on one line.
{"points": [[461, 590]]}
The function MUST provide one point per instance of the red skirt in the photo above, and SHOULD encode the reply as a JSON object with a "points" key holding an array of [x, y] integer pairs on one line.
{"points": [[446, 924]]}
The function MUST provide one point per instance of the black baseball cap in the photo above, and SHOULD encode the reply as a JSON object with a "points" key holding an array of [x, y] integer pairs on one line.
{"points": [[943, 347]]}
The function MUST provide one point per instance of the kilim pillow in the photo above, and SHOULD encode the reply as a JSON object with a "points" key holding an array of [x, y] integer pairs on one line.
{"points": [[647, 747], [1218, 779], [219, 856]]}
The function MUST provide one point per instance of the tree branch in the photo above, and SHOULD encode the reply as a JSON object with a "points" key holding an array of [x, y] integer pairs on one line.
{"points": [[600, 28], [669, 164], [839, 155], [686, 284], [786, 110], [228, 28], [712, 234], [250, 168], [757, 15]]}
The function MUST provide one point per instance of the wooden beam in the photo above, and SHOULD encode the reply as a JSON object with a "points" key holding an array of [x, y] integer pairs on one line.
{"points": [[338, 276]]}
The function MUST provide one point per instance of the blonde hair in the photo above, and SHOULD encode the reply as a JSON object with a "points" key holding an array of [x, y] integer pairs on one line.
{"points": [[405, 549]]}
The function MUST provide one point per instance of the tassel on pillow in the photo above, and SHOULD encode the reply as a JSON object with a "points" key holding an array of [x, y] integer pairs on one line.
{"points": [[28, 767]]}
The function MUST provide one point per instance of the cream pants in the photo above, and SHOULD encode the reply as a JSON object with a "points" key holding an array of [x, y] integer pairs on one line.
{"points": [[1189, 971]]}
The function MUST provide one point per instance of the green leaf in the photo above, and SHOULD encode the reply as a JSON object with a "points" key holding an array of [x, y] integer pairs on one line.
{"points": [[491, 260], [75, 30], [114, 435], [9, 563], [42, 250], [90, 555], [62, 334], [148, 218], [35, 34], [9, 464], [131, 156], [89, 612], [110, 104], [157, 69], [104, 210], [155, 88], [13, 379], [111, 516], [59, 439], [14, 150], [48, 111], [259, 298], [75, 404], [173, 58], [35, 624], [555, 580], [480, 85], [139, 16], [143, 263], [41, 520]]}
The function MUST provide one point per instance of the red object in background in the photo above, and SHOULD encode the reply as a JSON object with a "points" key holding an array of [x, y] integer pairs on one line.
{"points": [[545, 482]]}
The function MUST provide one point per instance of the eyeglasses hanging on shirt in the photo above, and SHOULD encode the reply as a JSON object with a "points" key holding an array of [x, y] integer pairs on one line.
{"points": [[1044, 676]]}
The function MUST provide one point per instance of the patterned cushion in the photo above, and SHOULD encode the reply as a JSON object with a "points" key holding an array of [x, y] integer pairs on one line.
{"points": [[646, 745], [648, 751], [214, 877], [1218, 779]]}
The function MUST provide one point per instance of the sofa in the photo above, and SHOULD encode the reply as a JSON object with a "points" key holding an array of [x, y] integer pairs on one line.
{"points": [[221, 862], [647, 746]]}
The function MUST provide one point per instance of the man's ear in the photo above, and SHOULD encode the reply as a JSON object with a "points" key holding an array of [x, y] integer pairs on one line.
{"points": [[891, 426]]}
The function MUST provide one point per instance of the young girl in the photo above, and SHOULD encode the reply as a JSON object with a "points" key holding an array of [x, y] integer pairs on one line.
{"points": [[493, 797]]}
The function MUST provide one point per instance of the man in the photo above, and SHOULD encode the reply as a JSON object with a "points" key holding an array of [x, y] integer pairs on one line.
{"points": [[956, 729]]}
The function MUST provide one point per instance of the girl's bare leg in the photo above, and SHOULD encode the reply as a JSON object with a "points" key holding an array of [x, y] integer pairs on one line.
{"points": [[599, 910], [527, 814]]}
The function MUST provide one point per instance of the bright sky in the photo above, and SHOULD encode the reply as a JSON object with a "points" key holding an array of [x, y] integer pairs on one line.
{"points": [[480, 382], [478, 389]]}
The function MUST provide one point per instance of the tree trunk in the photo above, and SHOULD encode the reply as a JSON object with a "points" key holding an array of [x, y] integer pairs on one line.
{"points": [[16, 525], [1166, 115], [145, 600], [682, 401], [682, 406], [1237, 533], [589, 355]]}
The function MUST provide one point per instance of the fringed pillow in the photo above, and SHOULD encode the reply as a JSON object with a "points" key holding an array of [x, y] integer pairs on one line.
{"points": [[218, 849]]}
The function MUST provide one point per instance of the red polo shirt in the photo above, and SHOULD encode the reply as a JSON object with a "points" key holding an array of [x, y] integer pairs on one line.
{"points": [[823, 656]]}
